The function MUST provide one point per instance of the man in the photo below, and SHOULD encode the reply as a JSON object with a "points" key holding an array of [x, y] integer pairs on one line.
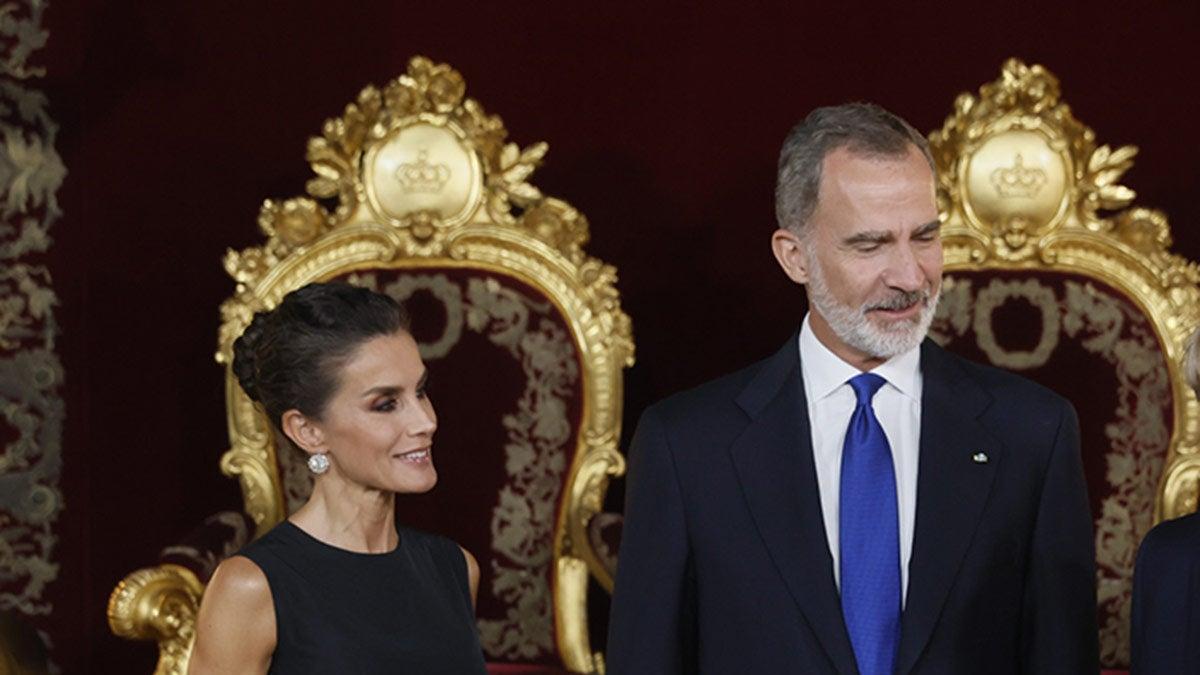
{"points": [[860, 502]]}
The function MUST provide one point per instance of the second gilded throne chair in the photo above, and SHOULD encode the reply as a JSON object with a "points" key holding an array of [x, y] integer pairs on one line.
{"points": [[419, 195], [1052, 274]]}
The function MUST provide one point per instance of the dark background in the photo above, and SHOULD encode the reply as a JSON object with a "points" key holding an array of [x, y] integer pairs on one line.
{"points": [[664, 121]]}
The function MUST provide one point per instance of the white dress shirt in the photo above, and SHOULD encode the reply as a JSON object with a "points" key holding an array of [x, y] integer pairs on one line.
{"points": [[831, 402]]}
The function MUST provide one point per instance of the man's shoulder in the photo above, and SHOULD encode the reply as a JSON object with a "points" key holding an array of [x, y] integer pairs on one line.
{"points": [[1179, 537], [714, 397], [1009, 391]]}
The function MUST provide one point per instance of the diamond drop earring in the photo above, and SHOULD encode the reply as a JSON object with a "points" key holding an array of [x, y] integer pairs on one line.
{"points": [[318, 463]]}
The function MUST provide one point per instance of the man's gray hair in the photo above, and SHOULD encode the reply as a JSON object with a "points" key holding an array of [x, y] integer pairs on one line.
{"points": [[862, 128]]}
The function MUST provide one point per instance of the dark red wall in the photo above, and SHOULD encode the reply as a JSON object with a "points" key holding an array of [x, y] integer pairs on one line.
{"points": [[663, 121]]}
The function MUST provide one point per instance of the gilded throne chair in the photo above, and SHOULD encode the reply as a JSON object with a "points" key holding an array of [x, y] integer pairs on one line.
{"points": [[419, 195], [1051, 273]]}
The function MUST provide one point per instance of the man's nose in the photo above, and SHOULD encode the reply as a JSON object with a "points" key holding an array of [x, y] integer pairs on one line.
{"points": [[904, 270]]}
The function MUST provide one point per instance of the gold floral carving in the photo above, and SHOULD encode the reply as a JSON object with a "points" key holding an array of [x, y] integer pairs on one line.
{"points": [[1078, 220], [362, 213], [1023, 107]]}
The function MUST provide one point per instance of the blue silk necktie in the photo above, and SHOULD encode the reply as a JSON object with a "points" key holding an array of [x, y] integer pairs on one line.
{"points": [[869, 536]]}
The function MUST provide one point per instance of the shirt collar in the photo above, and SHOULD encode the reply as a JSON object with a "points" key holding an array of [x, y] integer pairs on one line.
{"points": [[824, 371]]}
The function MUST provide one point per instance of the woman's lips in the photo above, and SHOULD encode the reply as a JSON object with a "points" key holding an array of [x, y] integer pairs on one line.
{"points": [[418, 456]]}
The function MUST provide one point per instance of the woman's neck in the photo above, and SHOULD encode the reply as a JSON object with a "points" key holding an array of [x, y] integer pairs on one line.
{"points": [[349, 516]]}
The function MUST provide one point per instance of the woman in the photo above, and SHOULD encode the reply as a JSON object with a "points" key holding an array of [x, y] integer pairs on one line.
{"points": [[338, 587], [1165, 635]]}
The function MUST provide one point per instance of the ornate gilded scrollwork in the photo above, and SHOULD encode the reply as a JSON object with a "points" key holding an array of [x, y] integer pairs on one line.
{"points": [[1017, 165], [158, 603], [421, 177], [1023, 185]]}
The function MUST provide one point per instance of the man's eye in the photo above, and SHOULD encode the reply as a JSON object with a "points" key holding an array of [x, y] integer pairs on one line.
{"points": [[868, 248]]}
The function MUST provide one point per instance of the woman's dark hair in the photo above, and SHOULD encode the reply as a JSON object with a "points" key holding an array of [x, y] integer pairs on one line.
{"points": [[290, 356]]}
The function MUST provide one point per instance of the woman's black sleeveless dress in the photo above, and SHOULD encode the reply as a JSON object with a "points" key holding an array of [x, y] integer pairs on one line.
{"points": [[337, 611]]}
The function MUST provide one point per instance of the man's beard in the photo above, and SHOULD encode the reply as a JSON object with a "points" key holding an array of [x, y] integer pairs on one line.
{"points": [[854, 326]]}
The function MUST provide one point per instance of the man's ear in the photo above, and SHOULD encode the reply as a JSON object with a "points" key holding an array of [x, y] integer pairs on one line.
{"points": [[789, 251], [303, 431]]}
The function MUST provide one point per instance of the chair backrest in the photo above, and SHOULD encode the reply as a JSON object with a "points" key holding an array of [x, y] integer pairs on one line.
{"points": [[1049, 273], [419, 195]]}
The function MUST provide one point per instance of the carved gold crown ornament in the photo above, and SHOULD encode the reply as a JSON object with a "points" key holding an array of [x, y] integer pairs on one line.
{"points": [[1017, 181], [415, 175], [421, 177], [1023, 185]]}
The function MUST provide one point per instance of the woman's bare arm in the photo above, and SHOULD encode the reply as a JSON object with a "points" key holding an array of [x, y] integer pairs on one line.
{"points": [[472, 574], [235, 631]]}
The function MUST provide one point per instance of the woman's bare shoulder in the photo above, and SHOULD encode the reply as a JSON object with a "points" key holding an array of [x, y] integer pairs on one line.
{"points": [[240, 583], [236, 625]]}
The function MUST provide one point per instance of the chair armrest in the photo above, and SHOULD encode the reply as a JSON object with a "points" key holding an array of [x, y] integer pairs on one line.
{"points": [[160, 603]]}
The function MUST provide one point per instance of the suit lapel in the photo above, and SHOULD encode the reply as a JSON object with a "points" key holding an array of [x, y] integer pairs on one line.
{"points": [[952, 489], [774, 462]]}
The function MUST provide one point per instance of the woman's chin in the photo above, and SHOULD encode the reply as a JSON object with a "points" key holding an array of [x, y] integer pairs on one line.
{"points": [[414, 480]]}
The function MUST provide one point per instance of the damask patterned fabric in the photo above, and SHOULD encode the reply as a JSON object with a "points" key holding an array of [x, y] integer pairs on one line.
{"points": [[505, 382], [31, 375], [1089, 343]]}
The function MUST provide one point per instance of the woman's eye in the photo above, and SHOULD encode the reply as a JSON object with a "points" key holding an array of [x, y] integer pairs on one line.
{"points": [[386, 406], [422, 393]]}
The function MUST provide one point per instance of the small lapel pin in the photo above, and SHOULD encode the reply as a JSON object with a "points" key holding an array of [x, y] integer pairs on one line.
{"points": [[980, 458]]}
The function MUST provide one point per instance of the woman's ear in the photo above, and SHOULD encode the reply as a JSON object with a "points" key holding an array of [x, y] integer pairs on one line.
{"points": [[302, 431]]}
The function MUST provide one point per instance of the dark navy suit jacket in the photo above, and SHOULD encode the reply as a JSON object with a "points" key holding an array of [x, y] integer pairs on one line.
{"points": [[1166, 599], [724, 565]]}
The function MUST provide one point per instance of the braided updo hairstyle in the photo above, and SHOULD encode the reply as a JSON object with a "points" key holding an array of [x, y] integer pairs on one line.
{"points": [[289, 357]]}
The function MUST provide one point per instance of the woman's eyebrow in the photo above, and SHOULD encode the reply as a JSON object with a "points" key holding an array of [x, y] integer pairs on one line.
{"points": [[394, 389]]}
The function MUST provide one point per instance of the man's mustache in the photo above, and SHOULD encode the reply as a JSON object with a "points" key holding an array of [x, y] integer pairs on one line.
{"points": [[901, 300]]}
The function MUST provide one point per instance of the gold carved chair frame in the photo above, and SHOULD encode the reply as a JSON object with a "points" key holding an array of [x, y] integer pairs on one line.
{"points": [[1023, 186], [422, 178]]}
